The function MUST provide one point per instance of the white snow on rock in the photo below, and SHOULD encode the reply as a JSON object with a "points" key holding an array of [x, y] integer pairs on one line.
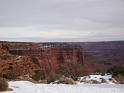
{"points": [[28, 87], [106, 77]]}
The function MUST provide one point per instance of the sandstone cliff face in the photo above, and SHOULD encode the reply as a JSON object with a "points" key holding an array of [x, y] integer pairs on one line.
{"points": [[25, 58]]}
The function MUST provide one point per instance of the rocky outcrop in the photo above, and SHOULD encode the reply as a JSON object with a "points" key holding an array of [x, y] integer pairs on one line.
{"points": [[25, 58]]}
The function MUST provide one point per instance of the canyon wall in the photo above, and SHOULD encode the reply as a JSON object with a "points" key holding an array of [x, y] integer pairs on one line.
{"points": [[20, 59]]}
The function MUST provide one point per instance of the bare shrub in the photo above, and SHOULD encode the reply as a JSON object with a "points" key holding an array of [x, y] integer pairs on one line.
{"points": [[73, 70], [52, 77], [120, 79], [3, 84], [39, 75], [103, 80], [66, 80]]}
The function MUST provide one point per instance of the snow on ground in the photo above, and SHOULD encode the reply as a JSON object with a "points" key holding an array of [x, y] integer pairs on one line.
{"points": [[28, 87], [98, 78]]}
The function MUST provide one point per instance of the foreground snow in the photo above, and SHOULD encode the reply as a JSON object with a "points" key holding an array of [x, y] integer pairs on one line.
{"points": [[28, 87]]}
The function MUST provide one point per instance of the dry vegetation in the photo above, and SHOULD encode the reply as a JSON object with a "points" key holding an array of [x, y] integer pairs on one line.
{"points": [[3, 84]]}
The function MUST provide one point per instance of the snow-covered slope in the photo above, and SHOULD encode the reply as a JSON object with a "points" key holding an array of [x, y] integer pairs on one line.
{"points": [[28, 87]]}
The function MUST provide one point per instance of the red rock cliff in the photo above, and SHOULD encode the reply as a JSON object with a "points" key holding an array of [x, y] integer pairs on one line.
{"points": [[25, 58]]}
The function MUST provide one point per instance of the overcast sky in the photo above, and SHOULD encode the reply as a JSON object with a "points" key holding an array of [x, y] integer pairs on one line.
{"points": [[62, 20]]}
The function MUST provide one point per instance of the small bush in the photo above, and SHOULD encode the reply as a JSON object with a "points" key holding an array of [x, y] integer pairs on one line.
{"points": [[73, 70], [94, 82], [115, 71], [66, 80], [103, 80], [3, 84], [120, 79], [52, 76], [118, 73], [9, 75], [39, 75]]}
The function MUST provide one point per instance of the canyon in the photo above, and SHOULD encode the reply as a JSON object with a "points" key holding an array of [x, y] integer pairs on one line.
{"points": [[24, 58], [20, 59]]}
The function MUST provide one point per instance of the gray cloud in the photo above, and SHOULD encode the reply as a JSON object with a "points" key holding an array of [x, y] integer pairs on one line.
{"points": [[76, 20]]}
